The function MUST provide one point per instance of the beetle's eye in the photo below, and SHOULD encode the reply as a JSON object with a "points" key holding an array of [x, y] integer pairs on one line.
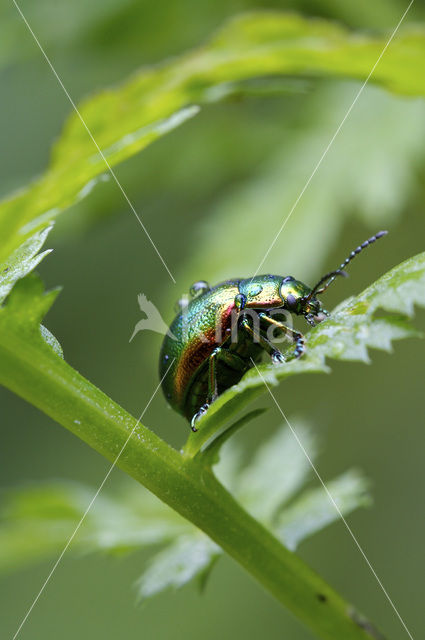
{"points": [[291, 301], [288, 279]]}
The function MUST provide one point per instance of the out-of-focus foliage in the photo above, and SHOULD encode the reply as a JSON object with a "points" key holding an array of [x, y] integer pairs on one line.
{"points": [[116, 28], [36, 522], [314, 507], [379, 159], [125, 120]]}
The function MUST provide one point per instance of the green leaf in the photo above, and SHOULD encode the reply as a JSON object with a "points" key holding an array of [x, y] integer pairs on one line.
{"points": [[50, 339], [20, 264], [22, 261], [125, 120], [269, 486], [187, 558], [279, 469], [27, 305], [347, 335], [37, 521], [314, 510]]}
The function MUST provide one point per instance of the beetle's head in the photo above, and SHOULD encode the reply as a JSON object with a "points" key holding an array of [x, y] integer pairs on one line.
{"points": [[299, 298]]}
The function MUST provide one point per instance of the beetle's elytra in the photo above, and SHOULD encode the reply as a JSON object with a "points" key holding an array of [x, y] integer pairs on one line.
{"points": [[222, 330]]}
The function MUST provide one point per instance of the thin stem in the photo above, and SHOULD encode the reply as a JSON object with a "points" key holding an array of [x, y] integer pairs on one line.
{"points": [[37, 374]]}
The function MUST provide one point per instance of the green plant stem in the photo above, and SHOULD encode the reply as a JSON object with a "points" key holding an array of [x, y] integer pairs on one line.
{"points": [[37, 374]]}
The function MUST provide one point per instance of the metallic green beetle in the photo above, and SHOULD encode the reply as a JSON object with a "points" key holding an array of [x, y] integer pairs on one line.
{"points": [[223, 330]]}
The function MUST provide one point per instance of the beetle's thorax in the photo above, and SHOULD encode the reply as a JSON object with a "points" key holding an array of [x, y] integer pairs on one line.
{"points": [[261, 292], [271, 291]]}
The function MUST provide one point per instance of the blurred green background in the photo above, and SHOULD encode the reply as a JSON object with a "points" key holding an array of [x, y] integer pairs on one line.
{"points": [[202, 190]]}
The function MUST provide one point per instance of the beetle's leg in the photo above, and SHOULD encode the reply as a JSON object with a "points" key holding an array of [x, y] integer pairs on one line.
{"points": [[212, 387], [314, 320], [310, 319], [276, 356], [197, 415], [212, 376], [233, 360], [295, 336]]}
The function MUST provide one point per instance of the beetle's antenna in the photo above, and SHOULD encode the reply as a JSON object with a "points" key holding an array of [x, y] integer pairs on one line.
{"points": [[330, 277]]}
